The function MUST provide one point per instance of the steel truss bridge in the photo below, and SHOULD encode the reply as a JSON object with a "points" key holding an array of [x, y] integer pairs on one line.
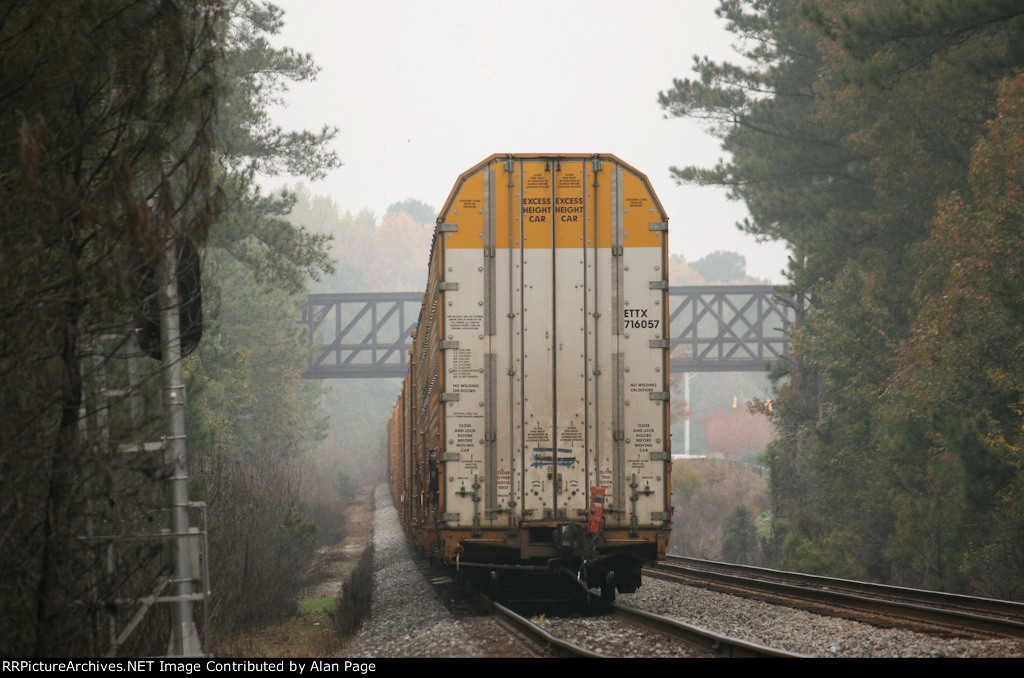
{"points": [[734, 328]]}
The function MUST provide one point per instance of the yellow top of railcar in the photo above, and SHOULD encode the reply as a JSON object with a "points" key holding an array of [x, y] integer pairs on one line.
{"points": [[551, 212]]}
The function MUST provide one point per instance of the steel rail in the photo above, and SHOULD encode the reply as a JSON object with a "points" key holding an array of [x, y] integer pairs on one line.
{"points": [[717, 643], [872, 603], [692, 636], [1008, 609], [556, 647]]}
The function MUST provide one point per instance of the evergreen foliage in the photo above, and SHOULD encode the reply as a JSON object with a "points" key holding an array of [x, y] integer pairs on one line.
{"points": [[106, 151], [125, 123], [881, 142]]}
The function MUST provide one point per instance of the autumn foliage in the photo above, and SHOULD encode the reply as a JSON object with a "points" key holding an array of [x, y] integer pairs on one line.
{"points": [[737, 433]]}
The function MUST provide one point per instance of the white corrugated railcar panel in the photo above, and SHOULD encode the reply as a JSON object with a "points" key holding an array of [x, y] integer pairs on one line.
{"points": [[643, 377], [464, 380], [571, 483], [538, 402]]}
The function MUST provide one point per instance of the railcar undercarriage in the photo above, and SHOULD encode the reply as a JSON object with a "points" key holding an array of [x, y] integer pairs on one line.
{"points": [[558, 563]]}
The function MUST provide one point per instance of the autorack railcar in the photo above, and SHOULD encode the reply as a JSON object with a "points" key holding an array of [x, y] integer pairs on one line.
{"points": [[532, 430]]}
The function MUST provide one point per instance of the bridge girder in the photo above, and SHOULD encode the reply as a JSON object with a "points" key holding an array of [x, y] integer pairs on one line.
{"points": [[713, 328]]}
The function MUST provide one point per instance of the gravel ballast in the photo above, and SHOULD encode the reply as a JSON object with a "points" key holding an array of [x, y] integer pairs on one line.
{"points": [[409, 619]]}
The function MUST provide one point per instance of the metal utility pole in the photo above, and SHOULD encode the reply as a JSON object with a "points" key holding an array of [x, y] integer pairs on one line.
{"points": [[184, 639], [686, 421]]}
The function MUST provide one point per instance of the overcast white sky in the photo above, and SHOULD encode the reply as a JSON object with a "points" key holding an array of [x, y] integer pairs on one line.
{"points": [[421, 91]]}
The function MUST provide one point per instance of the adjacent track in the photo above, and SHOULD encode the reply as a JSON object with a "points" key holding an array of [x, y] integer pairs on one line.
{"points": [[873, 603]]}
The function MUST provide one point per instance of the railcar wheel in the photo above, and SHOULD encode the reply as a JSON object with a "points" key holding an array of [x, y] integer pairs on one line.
{"points": [[628, 580]]}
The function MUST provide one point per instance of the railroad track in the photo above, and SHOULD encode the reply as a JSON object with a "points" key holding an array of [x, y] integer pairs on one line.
{"points": [[878, 604], [536, 637], [715, 643], [578, 636]]}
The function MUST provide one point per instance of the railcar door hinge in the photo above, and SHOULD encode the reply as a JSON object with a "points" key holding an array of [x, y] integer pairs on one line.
{"points": [[660, 456], [660, 515], [659, 225], [449, 286], [449, 456], [449, 397], [658, 343], [446, 345], [450, 517], [448, 228], [659, 285], [659, 395]]}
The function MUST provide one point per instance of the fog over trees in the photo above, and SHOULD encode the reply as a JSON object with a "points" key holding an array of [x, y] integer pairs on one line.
{"points": [[881, 141]]}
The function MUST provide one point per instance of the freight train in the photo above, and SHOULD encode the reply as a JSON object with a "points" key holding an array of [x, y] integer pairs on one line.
{"points": [[530, 441]]}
